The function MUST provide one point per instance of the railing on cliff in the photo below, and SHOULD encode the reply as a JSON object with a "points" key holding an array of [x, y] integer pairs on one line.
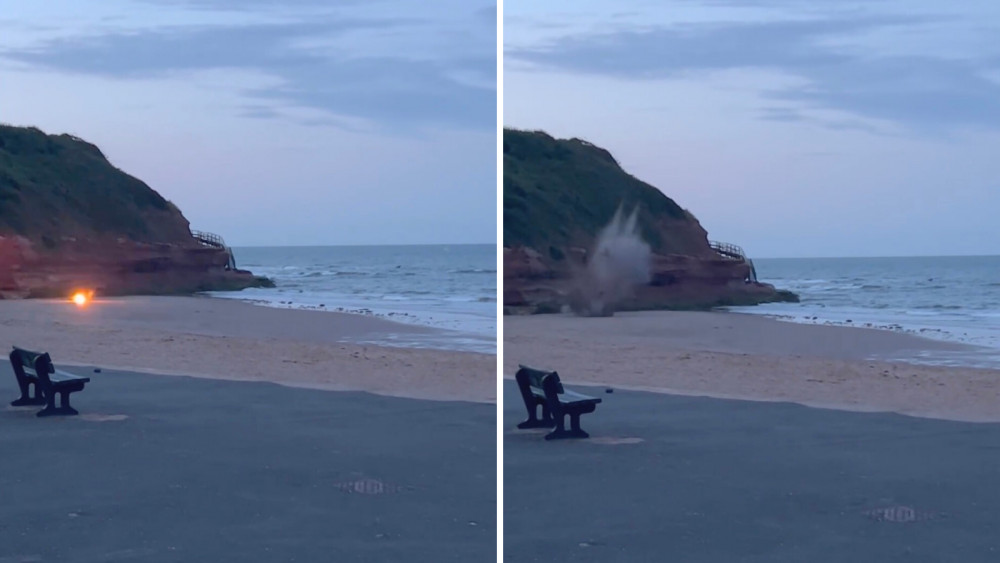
{"points": [[215, 241], [732, 252]]}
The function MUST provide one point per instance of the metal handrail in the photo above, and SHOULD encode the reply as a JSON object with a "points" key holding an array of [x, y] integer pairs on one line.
{"points": [[215, 241], [727, 250], [210, 239], [733, 252]]}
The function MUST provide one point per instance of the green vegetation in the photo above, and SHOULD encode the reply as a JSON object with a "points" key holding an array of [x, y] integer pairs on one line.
{"points": [[560, 193], [52, 186]]}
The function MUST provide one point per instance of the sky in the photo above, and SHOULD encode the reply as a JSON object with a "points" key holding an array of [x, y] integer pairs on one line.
{"points": [[794, 128], [274, 123]]}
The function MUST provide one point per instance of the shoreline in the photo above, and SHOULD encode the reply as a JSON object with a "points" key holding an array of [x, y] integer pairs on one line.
{"points": [[985, 338], [472, 340], [937, 350], [752, 357], [461, 340], [442, 286], [227, 339]]}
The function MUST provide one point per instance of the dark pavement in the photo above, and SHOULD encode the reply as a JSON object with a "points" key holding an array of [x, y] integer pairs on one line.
{"points": [[692, 480], [161, 468]]}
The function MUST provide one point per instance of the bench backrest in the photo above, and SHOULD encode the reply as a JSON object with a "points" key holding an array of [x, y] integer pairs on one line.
{"points": [[35, 364], [535, 384], [24, 358], [536, 378]]}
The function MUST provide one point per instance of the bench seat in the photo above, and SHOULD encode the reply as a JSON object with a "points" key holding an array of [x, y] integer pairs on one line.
{"points": [[59, 377], [572, 397]]}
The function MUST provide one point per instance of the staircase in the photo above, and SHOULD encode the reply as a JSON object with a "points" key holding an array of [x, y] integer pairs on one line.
{"points": [[735, 253], [215, 241]]}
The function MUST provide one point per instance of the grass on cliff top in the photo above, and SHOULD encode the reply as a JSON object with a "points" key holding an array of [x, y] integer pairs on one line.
{"points": [[60, 185], [559, 193]]}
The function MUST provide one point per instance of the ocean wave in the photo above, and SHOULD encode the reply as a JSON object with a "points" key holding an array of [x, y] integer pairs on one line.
{"points": [[469, 299], [809, 281], [412, 284]]}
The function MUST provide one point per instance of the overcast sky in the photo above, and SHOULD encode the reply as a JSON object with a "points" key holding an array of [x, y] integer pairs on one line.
{"points": [[289, 122], [791, 127]]}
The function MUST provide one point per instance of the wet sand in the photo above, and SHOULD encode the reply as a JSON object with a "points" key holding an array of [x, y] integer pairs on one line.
{"points": [[732, 355], [226, 339]]}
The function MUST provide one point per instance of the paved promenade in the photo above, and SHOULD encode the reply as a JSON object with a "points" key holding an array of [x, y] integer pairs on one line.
{"points": [[163, 468], [697, 480]]}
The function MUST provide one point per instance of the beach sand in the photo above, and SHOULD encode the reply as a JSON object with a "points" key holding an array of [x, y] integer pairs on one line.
{"points": [[227, 339], [732, 355]]}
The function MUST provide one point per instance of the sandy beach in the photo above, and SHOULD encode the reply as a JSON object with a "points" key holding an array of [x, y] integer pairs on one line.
{"points": [[732, 355], [224, 339]]}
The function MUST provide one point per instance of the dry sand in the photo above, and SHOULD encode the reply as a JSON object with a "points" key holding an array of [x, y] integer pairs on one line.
{"points": [[743, 356], [219, 338]]}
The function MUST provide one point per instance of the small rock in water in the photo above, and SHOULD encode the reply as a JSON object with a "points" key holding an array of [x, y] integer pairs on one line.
{"points": [[322, 305], [97, 370], [609, 390]]}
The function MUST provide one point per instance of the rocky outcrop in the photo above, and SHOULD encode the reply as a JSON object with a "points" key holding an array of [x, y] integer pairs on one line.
{"points": [[677, 282], [69, 220], [560, 194], [121, 267]]}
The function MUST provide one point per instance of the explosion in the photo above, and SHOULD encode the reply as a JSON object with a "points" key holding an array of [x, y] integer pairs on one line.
{"points": [[619, 263], [81, 298]]}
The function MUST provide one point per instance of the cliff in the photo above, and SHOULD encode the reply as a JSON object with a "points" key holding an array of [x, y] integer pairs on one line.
{"points": [[70, 220], [559, 195]]}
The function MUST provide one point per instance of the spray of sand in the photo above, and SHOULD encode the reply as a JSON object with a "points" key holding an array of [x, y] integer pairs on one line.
{"points": [[619, 263]]}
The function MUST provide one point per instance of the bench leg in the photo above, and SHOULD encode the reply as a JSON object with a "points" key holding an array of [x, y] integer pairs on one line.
{"points": [[64, 408], [574, 426], [534, 422], [560, 433], [26, 399]]}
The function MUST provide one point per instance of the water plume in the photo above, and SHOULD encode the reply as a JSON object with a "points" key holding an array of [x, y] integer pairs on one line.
{"points": [[619, 262]]}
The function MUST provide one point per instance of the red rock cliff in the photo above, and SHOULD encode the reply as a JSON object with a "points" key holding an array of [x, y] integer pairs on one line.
{"points": [[559, 194], [70, 220]]}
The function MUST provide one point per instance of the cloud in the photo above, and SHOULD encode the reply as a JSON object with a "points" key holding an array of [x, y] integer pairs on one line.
{"points": [[776, 3], [488, 14], [254, 5], [781, 114], [355, 67], [920, 92]]}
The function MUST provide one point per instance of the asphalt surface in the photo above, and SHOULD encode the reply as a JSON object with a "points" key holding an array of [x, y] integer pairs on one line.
{"points": [[688, 479], [161, 468]]}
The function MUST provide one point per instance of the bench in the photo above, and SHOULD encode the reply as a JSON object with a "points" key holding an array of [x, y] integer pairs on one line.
{"points": [[540, 388], [36, 369]]}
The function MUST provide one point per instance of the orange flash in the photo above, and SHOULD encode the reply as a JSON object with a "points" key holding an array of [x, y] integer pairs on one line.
{"points": [[80, 298]]}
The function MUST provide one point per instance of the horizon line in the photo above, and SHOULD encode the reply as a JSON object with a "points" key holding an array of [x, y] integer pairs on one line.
{"points": [[876, 256], [362, 244]]}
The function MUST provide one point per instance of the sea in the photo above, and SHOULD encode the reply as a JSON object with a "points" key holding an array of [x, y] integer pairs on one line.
{"points": [[950, 298], [448, 287]]}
